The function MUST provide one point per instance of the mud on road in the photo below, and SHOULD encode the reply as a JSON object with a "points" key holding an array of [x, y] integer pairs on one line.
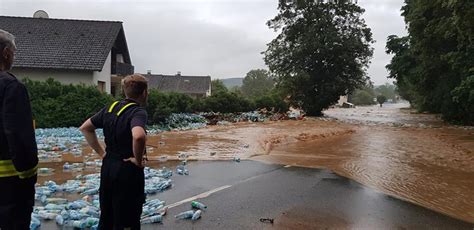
{"points": [[414, 157], [427, 163]]}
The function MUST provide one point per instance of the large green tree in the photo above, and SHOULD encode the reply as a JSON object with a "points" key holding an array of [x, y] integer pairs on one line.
{"points": [[217, 86], [388, 90], [257, 82], [434, 64], [363, 96], [322, 51], [402, 66]]}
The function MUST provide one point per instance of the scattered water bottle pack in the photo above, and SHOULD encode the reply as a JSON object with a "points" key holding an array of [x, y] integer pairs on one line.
{"points": [[80, 166], [194, 214], [152, 219], [185, 215], [198, 205], [53, 142], [227, 118], [179, 121], [84, 213], [45, 170], [182, 170], [35, 222], [153, 211]]}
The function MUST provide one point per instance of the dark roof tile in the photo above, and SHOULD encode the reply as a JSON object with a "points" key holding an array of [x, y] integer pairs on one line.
{"points": [[179, 83], [61, 43]]}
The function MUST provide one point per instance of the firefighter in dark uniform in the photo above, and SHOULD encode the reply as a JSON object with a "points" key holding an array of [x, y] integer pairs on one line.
{"points": [[122, 180], [18, 151]]}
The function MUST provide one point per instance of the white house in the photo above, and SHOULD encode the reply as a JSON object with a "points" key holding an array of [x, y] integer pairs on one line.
{"points": [[70, 51]]}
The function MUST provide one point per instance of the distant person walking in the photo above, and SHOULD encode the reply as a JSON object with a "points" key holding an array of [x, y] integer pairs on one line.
{"points": [[18, 151], [122, 180]]}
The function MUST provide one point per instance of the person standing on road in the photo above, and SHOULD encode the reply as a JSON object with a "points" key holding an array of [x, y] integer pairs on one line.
{"points": [[18, 151], [122, 180]]}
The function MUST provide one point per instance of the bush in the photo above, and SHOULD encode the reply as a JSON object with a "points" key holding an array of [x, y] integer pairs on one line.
{"points": [[225, 102], [362, 97], [272, 101], [462, 109], [161, 105], [57, 105], [381, 99]]}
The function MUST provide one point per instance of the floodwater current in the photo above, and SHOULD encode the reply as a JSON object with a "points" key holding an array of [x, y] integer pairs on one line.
{"points": [[411, 156]]}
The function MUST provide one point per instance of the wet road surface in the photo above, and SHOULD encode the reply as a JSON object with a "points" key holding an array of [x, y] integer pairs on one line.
{"points": [[295, 197]]}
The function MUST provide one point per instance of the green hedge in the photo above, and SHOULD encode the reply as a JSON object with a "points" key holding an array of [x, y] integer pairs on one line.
{"points": [[226, 102], [362, 97], [56, 105], [161, 105], [272, 100]]}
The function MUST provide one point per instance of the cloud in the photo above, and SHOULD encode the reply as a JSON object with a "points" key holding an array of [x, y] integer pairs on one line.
{"points": [[383, 17], [221, 38]]}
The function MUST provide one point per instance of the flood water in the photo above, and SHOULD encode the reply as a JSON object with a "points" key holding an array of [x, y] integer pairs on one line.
{"points": [[415, 157]]}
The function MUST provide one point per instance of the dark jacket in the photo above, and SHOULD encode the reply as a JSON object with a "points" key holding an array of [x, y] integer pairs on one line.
{"points": [[17, 136]]}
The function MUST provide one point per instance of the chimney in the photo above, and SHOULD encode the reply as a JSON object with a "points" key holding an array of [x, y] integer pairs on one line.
{"points": [[148, 72]]}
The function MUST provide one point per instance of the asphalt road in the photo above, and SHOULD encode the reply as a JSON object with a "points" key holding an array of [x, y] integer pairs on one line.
{"points": [[238, 195]]}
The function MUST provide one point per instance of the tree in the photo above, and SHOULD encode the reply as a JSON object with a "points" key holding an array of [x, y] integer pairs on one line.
{"points": [[273, 100], [363, 96], [321, 53], [402, 66], [225, 102], [434, 64], [257, 83], [463, 97], [388, 90], [381, 99], [217, 86], [161, 105], [236, 89]]}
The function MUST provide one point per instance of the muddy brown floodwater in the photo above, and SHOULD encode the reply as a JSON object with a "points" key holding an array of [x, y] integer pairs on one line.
{"points": [[414, 157]]}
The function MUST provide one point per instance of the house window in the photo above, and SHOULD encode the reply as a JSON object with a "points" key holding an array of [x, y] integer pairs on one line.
{"points": [[120, 58], [101, 86], [112, 90]]}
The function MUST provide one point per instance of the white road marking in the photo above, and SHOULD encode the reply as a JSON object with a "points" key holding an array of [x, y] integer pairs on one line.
{"points": [[210, 192], [200, 196]]}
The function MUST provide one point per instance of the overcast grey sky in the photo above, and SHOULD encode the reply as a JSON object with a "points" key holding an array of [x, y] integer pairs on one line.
{"points": [[221, 38]]}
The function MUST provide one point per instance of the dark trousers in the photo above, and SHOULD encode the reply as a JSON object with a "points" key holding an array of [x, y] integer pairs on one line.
{"points": [[122, 194], [17, 197]]}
